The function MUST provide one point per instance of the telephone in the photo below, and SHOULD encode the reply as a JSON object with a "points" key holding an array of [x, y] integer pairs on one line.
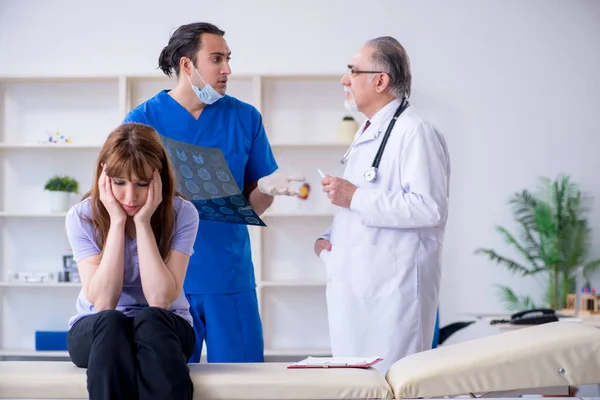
{"points": [[534, 317], [530, 317]]}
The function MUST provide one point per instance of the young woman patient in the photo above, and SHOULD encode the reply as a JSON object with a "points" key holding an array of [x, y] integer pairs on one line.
{"points": [[132, 237]]}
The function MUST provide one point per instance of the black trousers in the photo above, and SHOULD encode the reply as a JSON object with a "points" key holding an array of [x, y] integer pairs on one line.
{"points": [[142, 357]]}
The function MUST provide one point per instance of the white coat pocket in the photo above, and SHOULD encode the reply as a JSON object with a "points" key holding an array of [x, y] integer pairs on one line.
{"points": [[324, 257], [323, 254], [373, 271]]}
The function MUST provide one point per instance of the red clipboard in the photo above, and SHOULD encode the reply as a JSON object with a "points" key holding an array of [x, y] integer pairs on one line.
{"points": [[333, 362]]}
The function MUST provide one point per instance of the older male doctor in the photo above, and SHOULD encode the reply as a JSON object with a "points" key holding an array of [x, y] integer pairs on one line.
{"points": [[382, 252]]}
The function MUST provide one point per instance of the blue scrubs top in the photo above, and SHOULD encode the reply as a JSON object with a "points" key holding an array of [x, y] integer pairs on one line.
{"points": [[222, 262]]}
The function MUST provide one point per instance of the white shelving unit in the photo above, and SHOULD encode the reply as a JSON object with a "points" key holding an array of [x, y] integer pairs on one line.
{"points": [[301, 114]]}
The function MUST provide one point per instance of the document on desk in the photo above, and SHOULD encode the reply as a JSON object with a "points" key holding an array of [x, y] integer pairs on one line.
{"points": [[336, 362]]}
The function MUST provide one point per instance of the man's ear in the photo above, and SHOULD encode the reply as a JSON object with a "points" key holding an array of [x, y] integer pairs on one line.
{"points": [[382, 81], [185, 65]]}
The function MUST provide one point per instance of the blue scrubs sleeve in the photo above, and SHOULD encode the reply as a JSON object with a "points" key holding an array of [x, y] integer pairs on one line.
{"points": [[261, 161], [135, 116]]}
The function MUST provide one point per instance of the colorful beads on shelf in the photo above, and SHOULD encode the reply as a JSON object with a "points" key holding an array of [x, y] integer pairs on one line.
{"points": [[56, 138]]}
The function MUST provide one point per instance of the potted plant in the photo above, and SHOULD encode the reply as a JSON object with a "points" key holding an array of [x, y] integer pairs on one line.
{"points": [[554, 241], [60, 188]]}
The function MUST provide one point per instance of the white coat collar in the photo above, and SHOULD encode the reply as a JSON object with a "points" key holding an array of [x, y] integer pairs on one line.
{"points": [[380, 120]]}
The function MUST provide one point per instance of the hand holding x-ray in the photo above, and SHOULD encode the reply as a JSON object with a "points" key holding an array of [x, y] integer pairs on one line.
{"points": [[280, 184]]}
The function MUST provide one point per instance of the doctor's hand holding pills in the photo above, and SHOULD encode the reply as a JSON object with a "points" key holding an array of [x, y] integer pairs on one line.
{"points": [[280, 184]]}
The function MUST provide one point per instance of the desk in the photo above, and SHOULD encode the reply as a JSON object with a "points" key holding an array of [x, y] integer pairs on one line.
{"points": [[583, 318]]}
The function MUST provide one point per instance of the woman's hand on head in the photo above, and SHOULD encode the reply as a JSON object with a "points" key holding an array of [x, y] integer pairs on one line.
{"points": [[115, 211], [152, 201]]}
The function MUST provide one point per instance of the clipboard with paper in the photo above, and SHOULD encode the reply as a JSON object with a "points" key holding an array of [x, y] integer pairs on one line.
{"points": [[204, 178], [336, 362]]}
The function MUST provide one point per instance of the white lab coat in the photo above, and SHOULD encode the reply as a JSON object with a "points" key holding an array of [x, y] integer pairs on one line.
{"points": [[383, 271]]}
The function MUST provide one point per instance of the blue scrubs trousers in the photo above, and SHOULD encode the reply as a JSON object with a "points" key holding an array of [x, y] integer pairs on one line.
{"points": [[234, 332]]}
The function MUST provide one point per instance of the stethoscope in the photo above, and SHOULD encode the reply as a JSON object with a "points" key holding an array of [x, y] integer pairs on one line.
{"points": [[371, 173]]}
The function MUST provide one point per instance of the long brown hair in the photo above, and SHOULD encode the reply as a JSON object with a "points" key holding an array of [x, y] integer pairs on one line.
{"points": [[129, 150]]}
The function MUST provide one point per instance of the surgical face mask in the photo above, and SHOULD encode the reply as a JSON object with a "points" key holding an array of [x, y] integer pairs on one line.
{"points": [[207, 94], [350, 104]]}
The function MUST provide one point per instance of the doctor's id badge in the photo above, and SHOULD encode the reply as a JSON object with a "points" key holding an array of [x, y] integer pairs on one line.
{"points": [[203, 177]]}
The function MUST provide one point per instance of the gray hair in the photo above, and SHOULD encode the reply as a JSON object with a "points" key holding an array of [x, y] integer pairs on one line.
{"points": [[389, 56]]}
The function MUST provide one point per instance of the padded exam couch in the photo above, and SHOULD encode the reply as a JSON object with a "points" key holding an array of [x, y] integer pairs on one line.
{"points": [[545, 358]]}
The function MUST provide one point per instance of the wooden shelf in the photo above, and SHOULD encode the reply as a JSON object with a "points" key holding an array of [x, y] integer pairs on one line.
{"points": [[106, 99], [161, 76], [4, 214], [291, 284], [288, 284], [28, 353], [311, 145], [298, 352], [73, 146], [38, 146], [296, 214], [32, 353], [59, 285]]}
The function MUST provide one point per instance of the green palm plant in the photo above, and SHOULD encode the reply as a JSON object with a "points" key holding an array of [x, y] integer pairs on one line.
{"points": [[554, 240]]}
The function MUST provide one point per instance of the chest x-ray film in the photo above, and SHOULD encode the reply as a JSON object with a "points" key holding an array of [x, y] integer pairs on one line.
{"points": [[205, 179]]}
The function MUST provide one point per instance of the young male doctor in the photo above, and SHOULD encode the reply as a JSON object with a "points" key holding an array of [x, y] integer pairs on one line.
{"points": [[219, 284], [382, 252]]}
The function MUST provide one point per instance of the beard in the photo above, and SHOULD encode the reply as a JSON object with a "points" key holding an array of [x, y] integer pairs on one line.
{"points": [[350, 103]]}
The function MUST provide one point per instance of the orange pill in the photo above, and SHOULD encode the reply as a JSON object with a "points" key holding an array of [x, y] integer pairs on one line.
{"points": [[304, 191]]}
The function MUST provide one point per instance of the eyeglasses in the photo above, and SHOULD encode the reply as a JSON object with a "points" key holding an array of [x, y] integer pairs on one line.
{"points": [[353, 72]]}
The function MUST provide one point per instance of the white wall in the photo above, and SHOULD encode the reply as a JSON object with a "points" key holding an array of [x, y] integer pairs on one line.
{"points": [[513, 84]]}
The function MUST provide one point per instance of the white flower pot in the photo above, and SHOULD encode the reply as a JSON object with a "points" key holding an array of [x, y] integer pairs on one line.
{"points": [[59, 201]]}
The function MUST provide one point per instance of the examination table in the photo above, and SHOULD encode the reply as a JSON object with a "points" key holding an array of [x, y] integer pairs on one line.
{"points": [[542, 359]]}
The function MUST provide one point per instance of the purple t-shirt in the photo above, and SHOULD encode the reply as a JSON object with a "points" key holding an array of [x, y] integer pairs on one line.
{"points": [[81, 237]]}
